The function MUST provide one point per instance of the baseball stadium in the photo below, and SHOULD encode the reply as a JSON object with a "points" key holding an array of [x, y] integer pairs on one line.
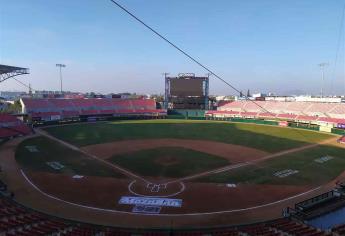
{"points": [[101, 166], [185, 166]]}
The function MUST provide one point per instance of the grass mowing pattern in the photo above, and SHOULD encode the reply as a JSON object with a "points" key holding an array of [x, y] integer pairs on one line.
{"points": [[310, 172], [266, 138], [170, 162], [75, 162]]}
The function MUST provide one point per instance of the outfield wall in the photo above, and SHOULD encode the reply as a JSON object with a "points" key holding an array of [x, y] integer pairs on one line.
{"points": [[291, 124], [183, 113]]}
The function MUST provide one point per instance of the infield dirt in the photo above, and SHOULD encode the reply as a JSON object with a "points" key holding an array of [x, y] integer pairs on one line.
{"points": [[233, 153]]}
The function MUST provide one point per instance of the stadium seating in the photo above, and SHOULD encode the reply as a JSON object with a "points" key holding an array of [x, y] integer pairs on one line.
{"points": [[340, 229], [249, 114], [332, 113], [10, 126], [260, 229], [16, 220], [287, 116], [56, 109], [294, 228], [267, 115], [306, 118]]}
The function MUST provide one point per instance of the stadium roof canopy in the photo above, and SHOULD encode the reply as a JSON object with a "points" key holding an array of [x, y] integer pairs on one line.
{"points": [[7, 72]]}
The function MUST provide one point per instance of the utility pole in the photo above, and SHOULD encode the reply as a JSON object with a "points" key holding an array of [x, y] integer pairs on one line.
{"points": [[60, 67], [166, 91], [322, 67], [207, 91], [30, 90]]}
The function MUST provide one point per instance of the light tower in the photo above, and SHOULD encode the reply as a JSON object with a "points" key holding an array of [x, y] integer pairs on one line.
{"points": [[166, 91], [322, 67], [60, 67]]}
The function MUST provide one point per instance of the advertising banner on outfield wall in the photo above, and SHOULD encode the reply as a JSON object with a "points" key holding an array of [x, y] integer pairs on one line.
{"points": [[341, 126], [283, 123], [326, 129]]}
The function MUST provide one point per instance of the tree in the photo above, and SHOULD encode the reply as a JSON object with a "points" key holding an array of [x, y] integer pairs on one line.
{"points": [[16, 107]]}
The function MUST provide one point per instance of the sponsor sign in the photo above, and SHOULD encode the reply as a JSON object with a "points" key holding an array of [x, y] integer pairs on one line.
{"points": [[326, 129], [55, 117], [341, 126], [150, 201], [283, 123]]}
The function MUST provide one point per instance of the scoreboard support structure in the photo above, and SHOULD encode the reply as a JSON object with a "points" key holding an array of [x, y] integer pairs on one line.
{"points": [[186, 91]]}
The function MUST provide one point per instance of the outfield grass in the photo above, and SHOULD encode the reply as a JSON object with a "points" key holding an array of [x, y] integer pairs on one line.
{"points": [[171, 162], [75, 162], [267, 138], [310, 172]]}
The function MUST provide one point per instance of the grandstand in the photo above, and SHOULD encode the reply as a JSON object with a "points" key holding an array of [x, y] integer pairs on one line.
{"points": [[10, 127], [62, 109], [327, 113]]}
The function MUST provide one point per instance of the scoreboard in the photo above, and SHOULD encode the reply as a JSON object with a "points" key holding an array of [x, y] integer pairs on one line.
{"points": [[186, 87]]}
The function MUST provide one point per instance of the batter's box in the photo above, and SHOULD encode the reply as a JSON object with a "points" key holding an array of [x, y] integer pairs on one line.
{"points": [[146, 209]]}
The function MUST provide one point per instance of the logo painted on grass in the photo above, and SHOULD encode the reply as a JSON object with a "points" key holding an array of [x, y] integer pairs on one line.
{"points": [[150, 201], [285, 173], [55, 165], [146, 209], [32, 148], [323, 159]]}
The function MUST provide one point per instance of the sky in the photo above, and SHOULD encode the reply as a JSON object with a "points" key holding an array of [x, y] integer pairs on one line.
{"points": [[265, 46]]}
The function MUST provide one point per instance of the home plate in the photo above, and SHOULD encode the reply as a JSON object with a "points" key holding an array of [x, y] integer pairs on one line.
{"points": [[231, 185]]}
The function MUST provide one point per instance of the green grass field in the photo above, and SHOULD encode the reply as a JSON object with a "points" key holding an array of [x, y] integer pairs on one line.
{"points": [[266, 138], [75, 162], [310, 172], [170, 162]]}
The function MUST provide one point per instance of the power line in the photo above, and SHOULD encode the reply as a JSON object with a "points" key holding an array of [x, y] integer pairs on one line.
{"points": [[190, 57], [340, 37], [182, 51], [25, 85], [174, 45]]}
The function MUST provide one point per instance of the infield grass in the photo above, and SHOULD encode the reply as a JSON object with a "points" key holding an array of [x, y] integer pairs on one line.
{"points": [[170, 162], [263, 137]]}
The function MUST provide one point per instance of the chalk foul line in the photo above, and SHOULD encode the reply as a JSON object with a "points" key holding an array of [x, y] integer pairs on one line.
{"points": [[182, 214]]}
